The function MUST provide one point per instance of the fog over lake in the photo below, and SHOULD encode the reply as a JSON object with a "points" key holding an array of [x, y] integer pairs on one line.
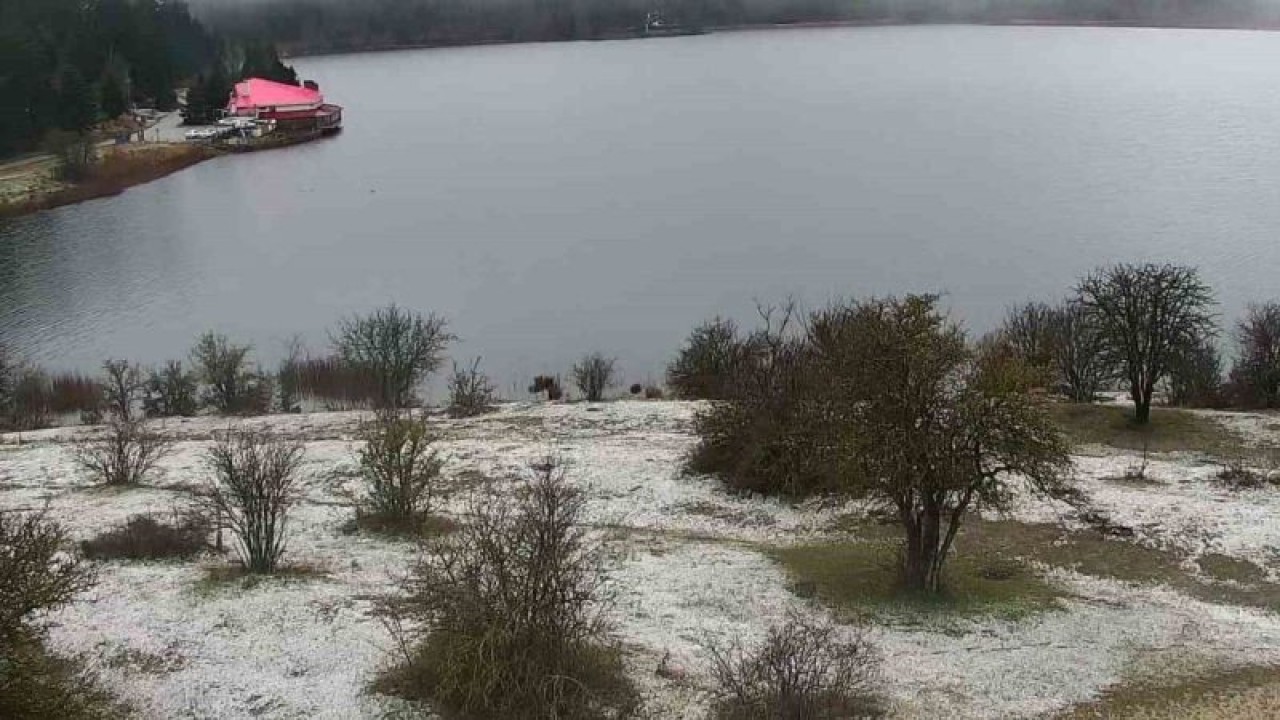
{"points": [[555, 199]]}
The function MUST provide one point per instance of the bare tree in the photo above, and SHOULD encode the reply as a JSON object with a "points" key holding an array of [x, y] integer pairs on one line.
{"points": [[593, 375], [1256, 373], [289, 376], [124, 388], [1028, 329], [1195, 377], [510, 612], [470, 391], [705, 363], [1147, 315], [398, 347], [254, 486], [1077, 349], [401, 470], [804, 670], [125, 454]]}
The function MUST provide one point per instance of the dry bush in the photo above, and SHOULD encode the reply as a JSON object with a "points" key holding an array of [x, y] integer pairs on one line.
{"points": [[148, 537], [76, 393], [705, 363], [1195, 378], [399, 348], [547, 384], [30, 400], [254, 486], [471, 392], [401, 472], [1255, 377], [1238, 473], [124, 455], [171, 392], [653, 392], [231, 385], [593, 374], [510, 611], [804, 670], [37, 575], [1028, 330], [124, 388], [336, 384]]}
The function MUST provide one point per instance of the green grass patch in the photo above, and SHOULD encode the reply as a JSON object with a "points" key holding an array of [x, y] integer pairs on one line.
{"points": [[1216, 694], [1170, 429], [862, 576], [406, 528]]}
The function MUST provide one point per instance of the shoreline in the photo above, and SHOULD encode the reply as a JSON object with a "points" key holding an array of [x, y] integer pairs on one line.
{"points": [[119, 171], [292, 53]]}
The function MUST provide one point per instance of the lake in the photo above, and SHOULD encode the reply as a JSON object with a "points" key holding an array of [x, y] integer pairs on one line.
{"points": [[560, 198]]}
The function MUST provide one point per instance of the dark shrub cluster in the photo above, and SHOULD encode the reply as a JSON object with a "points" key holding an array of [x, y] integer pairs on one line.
{"points": [[547, 384], [1255, 377], [593, 375], [401, 473], [232, 386], [706, 361], [471, 392], [397, 347], [336, 384], [171, 391], [76, 393], [149, 537], [255, 484], [804, 670], [510, 614], [38, 575]]}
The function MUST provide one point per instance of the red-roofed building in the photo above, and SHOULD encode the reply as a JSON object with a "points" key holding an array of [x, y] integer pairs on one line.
{"points": [[292, 108]]}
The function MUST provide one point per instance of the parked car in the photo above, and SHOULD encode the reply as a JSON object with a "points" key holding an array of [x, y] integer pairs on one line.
{"points": [[202, 133]]}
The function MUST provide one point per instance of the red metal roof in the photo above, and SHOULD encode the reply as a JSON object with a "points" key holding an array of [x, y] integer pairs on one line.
{"points": [[256, 93]]}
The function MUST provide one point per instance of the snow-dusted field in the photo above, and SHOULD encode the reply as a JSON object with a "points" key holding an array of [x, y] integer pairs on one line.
{"points": [[686, 564]]}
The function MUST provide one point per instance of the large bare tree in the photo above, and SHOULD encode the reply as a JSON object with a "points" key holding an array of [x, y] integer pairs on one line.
{"points": [[1148, 315], [397, 347]]}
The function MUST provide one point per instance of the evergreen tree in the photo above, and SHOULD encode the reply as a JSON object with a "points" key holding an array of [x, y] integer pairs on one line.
{"points": [[114, 100], [77, 101]]}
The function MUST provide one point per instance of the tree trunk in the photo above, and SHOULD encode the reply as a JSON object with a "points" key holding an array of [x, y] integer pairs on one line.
{"points": [[921, 566], [1141, 404]]}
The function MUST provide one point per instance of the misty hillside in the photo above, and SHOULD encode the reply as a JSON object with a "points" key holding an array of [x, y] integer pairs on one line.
{"points": [[328, 25]]}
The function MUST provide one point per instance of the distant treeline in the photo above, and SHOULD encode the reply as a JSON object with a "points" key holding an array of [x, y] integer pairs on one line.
{"points": [[309, 26], [69, 64]]}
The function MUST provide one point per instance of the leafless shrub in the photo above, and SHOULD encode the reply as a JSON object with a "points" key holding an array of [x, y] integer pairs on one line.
{"points": [[75, 393], [401, 472], [804, 670], [1028, 329], [547, 384], [399, 348], [231, 385], [124, 455], [1195, 377], [337, 384], [593, 375], [653, 392], [31, 399], [1077, 351], [1240, 472], [1255, 377], [470, 391], [289, 378], [37, 575], [124, 388], [254, 486], [149, 537], [171, 392], [510, 610], [705, 364]]}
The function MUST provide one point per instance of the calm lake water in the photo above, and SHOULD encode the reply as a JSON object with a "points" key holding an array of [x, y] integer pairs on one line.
{"points": [[556, 199]]}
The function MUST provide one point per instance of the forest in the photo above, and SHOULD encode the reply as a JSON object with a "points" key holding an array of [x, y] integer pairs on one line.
{"points": [[313, 26], [67, 65]]}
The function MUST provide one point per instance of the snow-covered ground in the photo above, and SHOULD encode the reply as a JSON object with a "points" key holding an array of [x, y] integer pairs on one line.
{"points": [[685, 561]]}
